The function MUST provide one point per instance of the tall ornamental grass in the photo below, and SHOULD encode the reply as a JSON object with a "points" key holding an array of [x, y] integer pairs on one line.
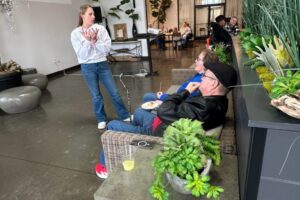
{"points": [[287, 25], [257, 21]]}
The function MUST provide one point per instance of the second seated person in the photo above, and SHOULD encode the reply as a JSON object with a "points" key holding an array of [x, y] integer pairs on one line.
{"points": [[92, 43], [206, 55]]}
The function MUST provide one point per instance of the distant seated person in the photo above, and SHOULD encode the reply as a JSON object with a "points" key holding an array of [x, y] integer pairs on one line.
{"points": [[232, 26], [160, 39], [205, 56], [186, 33], [210, 107], [220, 35], [176, 38]]}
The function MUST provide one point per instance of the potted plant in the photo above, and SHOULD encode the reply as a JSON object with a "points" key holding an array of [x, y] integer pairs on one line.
{"points": [[223, 53], [185, 155]]}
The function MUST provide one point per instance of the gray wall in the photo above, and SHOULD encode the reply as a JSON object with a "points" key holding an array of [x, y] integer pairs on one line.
{"points": [[42, 36]]}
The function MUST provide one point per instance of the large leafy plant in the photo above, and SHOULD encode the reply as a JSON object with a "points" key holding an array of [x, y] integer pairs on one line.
{"points": [[124, 4], [158, 9], [186, 150]]}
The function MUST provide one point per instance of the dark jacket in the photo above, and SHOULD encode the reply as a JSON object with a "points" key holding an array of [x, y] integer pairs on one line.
{"points": [[220, 34], [209, 109]]}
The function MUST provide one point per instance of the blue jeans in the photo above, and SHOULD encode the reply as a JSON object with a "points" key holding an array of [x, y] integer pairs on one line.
{"points": [[141, 124], [94, 74], [150, 96]]}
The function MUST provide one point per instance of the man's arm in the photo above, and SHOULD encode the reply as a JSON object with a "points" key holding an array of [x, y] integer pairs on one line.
{"points": [[175, 108]]}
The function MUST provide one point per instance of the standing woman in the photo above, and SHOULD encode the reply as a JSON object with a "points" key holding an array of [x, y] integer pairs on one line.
{"points": [[92, 43]]}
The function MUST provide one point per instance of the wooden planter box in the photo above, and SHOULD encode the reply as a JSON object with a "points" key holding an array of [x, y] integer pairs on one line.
{"points": [[268, 141]]}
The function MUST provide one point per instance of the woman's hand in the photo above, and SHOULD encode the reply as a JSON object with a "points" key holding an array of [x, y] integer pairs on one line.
{"points": [[159, 94], [192, 86], [86, 35], [93, 34], [90, 35]]}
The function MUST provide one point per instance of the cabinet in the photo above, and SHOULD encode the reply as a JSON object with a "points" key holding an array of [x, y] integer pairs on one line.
{"points": [[267, 140]]}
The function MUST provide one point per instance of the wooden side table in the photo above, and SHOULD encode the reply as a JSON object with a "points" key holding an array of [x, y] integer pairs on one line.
{"points": [[132, 185]]}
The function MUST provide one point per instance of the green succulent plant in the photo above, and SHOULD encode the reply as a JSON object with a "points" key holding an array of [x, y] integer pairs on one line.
{"points": [[223, 54], [186, 150], [288, 84]]}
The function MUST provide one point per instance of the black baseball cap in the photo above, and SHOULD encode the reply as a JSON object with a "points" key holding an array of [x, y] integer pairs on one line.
{"points": [[226, 74]]}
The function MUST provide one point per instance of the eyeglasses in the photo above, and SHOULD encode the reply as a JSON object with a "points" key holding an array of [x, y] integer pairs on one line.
{"points": [[142, 144], [198, 59]]}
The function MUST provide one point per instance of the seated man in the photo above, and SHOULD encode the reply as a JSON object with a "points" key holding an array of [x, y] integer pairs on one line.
{"points": [[210, 107], [220, 35], [205, 56]]}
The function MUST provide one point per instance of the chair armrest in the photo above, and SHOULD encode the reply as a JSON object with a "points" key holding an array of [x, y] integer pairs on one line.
{"points": [[179, 76], [114, 142]]}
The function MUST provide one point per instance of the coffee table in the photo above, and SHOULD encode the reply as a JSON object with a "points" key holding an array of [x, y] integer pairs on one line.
{"points": [[134, 185]]}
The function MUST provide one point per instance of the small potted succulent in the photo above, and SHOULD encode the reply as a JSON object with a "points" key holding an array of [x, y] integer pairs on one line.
{"points": [[185, 160]]}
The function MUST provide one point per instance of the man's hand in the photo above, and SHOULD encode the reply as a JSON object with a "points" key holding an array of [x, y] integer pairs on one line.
{"points": [[158, 102], [159, 94], [192, 86]]}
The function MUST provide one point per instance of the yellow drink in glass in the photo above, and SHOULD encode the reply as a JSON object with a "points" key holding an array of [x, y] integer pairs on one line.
{"points": [[128, 165]]}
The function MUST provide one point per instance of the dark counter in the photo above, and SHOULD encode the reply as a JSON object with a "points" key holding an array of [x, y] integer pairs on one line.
{"points": [[267, 139]]}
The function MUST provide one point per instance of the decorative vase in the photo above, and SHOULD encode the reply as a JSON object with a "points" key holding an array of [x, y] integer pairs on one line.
{"points": [[107, 27], [134, 29], [178, 184]]}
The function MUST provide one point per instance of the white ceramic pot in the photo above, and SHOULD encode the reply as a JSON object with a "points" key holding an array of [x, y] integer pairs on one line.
{"points": [[178, 184]]}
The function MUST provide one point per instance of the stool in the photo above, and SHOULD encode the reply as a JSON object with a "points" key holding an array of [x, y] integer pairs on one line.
{"points": [[29, 71], [20, 99], [38, 80]]}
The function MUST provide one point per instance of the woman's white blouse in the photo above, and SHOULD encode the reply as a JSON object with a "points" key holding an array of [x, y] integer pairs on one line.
{"points": [[86, 51]]}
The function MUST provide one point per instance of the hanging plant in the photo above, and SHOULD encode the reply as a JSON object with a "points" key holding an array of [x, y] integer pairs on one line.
{"points": [[158, 9]]}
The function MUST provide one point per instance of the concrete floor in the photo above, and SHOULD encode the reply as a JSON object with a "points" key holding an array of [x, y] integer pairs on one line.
{"points": [[50, 152]]}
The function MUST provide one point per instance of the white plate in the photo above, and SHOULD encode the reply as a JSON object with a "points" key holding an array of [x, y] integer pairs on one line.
{"points": [[149, 105]]}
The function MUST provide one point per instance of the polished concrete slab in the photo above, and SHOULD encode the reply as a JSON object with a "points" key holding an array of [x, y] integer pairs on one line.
{"points": [[50, 152]]}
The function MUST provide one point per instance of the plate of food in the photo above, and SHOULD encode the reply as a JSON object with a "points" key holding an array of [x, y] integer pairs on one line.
{"points": [[150, 105]]}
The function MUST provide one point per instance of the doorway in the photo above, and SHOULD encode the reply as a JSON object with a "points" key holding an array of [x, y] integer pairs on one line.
{"points": [[205, 13]]}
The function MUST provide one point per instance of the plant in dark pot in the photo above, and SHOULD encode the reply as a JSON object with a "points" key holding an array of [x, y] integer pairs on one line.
{"points": [[129, 10], [185, 160]]}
